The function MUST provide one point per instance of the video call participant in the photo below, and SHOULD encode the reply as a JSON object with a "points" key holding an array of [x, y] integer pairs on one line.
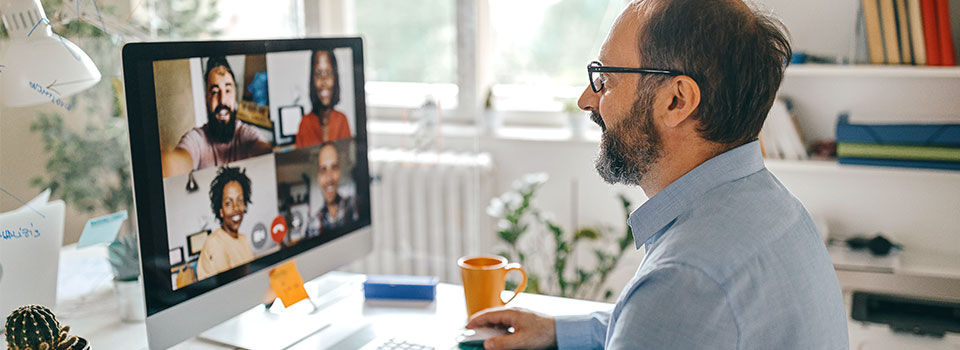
{"points": [[223, 139], [225, 248], [337, 209], [324, 123]]}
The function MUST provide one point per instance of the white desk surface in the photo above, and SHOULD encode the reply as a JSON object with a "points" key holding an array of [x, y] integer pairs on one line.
{"points": [[97, 317]]}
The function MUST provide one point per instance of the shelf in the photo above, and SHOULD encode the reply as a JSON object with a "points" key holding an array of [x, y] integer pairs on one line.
{"points": [[831, 166], [810, 70]]}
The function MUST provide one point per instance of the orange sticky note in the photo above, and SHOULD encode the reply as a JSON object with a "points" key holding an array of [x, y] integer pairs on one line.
{"points": [[285, 280]]}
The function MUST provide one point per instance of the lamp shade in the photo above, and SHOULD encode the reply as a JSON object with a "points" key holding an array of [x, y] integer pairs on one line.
{"points": [[40, 66]]}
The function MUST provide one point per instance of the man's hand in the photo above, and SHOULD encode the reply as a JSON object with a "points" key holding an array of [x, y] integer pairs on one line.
{"points": [[530, 330]]}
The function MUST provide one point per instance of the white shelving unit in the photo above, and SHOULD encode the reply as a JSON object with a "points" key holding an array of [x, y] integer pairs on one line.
{"points": [[917, 208], [871, 71]]}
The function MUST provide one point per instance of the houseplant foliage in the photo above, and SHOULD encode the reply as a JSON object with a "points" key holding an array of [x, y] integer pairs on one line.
{"points": [[516, 213]]}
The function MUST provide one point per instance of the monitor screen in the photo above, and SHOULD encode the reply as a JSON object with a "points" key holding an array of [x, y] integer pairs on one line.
{"points": [[245, 154]]}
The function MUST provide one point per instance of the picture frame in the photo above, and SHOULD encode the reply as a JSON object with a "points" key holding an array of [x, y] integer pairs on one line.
{"points": [[176, 256], [289, 119], [195, 242]]}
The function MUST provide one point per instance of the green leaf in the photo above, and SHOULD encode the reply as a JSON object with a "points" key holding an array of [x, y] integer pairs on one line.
{"points": [[587, 233]]}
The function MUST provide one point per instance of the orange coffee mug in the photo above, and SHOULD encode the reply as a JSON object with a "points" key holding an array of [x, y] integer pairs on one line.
{"points": [[483, 280]]}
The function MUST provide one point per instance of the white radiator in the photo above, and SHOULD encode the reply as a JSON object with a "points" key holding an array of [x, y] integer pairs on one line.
{"points": [[428, 210]]}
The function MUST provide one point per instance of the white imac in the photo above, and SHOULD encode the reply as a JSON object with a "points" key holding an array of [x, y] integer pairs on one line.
{"points": [[226, 188]]}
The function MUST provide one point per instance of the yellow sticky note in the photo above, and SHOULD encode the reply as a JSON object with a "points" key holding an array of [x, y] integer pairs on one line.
{"points": [[285, 280]]}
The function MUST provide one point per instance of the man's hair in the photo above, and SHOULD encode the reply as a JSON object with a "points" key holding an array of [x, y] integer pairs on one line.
{"points": [[214, 62], [737, 57], [335, 95], [224, 176]]}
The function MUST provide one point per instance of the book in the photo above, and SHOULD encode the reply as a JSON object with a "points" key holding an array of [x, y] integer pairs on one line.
{"points": [[916, 32], [947, 55], [891, 39], [871, 21], [903, 29], [931, 35], [781, 136], [905, 152], [940, 135], [900, 163]]}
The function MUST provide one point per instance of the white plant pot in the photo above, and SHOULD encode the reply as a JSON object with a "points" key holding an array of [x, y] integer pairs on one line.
{"points": [[577, 122], [130, 296]]}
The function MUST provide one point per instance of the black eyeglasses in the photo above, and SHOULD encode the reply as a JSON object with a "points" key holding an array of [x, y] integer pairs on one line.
{"points": [[595, 72]]}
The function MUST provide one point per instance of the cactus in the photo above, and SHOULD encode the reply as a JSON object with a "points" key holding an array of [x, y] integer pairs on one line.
{"points": [[34, 327]]}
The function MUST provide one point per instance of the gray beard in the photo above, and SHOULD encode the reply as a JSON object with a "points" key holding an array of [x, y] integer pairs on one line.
{"points": [[628, 149]]}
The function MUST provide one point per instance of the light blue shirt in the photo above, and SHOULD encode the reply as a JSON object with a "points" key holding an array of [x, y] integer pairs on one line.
{"points": [[733, 262]]}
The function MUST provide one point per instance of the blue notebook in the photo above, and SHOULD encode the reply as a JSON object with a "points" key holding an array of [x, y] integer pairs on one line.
{"points": [[898, 134], [900, 163]]}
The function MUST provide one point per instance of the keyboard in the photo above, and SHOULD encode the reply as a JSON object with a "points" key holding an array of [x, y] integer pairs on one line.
{"points": [[400, 344]]}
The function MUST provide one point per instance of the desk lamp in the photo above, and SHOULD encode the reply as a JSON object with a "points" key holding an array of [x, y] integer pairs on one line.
{"points": [[40, 65]]}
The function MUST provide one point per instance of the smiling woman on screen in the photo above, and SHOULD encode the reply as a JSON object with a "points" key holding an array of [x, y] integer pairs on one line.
{"points": [[323, 123]]}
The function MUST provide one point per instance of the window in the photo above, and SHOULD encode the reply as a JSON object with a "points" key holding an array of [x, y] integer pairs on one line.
{"points": [[548, 42], [408, 41], [530, 55]]}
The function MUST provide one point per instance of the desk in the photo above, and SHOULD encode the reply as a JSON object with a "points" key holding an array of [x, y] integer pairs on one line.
{"points": [[97, 315]]}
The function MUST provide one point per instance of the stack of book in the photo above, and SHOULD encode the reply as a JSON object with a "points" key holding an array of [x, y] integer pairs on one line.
{"points": [[780, 137], [932, 146], [908, 32]]}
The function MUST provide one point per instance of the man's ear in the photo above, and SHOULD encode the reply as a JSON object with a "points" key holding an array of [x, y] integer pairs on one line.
{"points": [[684, 97]]}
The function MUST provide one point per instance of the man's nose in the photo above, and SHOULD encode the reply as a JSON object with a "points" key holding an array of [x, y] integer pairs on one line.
{"points": [[221, 98], [589, 100]]}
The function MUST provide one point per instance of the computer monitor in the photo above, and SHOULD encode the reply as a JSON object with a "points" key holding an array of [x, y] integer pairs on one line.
{"points": [[227, 186]]}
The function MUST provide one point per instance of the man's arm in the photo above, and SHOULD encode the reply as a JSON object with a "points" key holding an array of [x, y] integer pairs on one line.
{"points": [[582, 331], [176, 162], [676, 307], [251, 138]]}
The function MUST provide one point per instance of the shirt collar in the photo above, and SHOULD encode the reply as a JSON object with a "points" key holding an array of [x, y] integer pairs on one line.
{"points": [[657, 212]]}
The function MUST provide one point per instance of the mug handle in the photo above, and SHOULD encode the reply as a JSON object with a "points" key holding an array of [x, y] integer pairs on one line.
{"points": [[523, 284]]}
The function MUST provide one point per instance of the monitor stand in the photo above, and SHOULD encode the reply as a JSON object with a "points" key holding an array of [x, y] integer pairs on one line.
{"points": [[279, 328]]}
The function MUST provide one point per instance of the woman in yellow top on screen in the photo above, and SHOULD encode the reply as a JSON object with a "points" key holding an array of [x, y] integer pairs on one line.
{"points": [[324, 123]]}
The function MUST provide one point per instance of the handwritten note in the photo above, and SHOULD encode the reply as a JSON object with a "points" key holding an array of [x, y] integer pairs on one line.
{"points": [[23, 231], [50, 93], [101, 229], [285, 280]]}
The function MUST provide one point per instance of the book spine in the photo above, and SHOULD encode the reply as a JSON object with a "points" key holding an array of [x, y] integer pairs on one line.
{"points": [[903, 28], [948, 56], [900, 163], [916, 32], [871, 19], [860, 150], [888, 20], [931, 34]]}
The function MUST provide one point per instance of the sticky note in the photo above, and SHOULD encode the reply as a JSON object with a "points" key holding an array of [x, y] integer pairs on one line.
{"points": [[285, 280], [102, 229]]}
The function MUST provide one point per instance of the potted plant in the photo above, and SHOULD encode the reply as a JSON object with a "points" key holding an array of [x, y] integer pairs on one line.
{"points": [[512, 209]]}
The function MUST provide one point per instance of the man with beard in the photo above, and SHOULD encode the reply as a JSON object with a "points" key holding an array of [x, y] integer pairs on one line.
{"points": [[225, 247], [733, 260], [223, 139]]}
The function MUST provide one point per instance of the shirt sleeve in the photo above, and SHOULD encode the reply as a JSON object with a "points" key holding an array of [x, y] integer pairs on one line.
{"points": [[582, 331], [249, 135], [192, 143], [675, 307]]}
